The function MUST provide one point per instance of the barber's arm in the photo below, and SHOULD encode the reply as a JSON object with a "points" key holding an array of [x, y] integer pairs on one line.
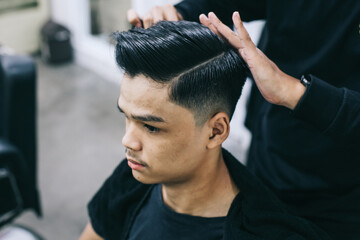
{"points": [[334, 111], [191, 9], [89, 233]]}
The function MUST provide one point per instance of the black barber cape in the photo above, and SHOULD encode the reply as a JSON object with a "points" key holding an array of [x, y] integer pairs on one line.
{"points": [[309, 157], [255, 213]]}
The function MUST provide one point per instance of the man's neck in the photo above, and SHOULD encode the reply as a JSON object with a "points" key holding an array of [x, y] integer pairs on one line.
{"points": [[208, 194]]}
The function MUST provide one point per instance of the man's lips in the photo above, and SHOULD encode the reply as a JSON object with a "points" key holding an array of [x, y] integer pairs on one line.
{"points": [[134, 161], [135, 165]]}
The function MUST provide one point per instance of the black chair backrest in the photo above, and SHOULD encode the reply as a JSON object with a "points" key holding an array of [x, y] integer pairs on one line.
{"points": [[18, 119]]}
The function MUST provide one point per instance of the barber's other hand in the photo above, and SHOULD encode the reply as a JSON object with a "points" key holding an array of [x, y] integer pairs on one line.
{"points": [[166, 12], [276, 86]]}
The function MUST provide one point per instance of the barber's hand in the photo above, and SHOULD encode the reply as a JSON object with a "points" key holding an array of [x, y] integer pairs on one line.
{"points": [[166, 12], [275, 86]]}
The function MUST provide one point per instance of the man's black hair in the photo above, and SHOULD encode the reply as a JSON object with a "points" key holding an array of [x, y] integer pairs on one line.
{"points": [[204, 74]]}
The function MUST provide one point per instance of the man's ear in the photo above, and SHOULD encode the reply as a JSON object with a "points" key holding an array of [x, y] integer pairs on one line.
{"points": [[219, 126]]}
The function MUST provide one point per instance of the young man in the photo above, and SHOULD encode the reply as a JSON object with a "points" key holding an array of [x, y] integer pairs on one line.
{"points": [[179, 91], [310, 157]]}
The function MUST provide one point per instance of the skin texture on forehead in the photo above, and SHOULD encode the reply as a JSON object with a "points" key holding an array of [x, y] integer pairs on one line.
{"points": [[137, 95]]}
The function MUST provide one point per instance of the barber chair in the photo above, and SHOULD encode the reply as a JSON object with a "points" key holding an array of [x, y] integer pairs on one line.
{"points": [[18, 185]]}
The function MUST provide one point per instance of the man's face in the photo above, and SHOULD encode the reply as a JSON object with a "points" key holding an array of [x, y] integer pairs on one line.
{"points": [[163, 143]]}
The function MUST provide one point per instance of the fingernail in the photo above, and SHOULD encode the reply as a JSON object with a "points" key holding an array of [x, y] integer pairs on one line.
{"points": [[238, 14], [213, 17]]}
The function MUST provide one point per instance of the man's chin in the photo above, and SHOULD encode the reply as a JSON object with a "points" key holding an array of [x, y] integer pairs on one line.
{"points": [[141, 178]]}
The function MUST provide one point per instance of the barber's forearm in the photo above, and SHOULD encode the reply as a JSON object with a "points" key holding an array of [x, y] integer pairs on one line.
{"points": [[292, 93]]}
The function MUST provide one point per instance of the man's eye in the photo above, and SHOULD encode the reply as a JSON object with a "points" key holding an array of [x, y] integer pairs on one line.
{"points": [[151, 128]]}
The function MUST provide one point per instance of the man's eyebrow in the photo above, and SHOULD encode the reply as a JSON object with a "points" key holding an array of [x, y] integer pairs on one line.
{"points": [[144, 118]]}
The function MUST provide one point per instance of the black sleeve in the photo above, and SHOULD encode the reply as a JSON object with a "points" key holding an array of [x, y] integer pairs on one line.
{"points": [[249, 9], [334, 111]]}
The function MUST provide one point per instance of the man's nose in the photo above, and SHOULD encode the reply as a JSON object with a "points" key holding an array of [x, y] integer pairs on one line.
{"points": [[131, 140]]}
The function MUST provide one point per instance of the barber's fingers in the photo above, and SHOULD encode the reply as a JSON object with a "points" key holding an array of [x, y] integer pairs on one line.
{"points": [[225, 31], [148, 20], [206, 22], [160, 13], [242, 32], [248, 50], [157, 14], [171, 14], [153, 16], [133, 18], [242, 41]]}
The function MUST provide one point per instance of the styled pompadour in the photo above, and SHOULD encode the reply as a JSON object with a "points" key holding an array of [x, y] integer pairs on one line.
{"points": [[203, 73]]}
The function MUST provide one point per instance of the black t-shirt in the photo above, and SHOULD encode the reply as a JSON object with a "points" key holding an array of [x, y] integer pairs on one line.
{"points": [[157, 221]]}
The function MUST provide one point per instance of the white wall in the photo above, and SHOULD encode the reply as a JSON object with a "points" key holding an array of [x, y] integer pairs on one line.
{"points": [[20, 30], [90, 52]]}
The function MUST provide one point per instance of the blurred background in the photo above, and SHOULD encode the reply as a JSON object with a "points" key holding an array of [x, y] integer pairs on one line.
{"points": [[77, 130]]}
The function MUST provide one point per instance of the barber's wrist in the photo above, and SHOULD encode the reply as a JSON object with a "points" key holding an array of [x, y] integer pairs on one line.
{"points": [[294, 91]]}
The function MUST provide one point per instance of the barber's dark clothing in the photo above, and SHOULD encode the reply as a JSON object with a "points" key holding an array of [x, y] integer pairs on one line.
{"points": [[119, 207], [310, 157], [157, 221]]}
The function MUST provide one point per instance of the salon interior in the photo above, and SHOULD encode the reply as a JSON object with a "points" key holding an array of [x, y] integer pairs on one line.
{"points": [[60, 129]]}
